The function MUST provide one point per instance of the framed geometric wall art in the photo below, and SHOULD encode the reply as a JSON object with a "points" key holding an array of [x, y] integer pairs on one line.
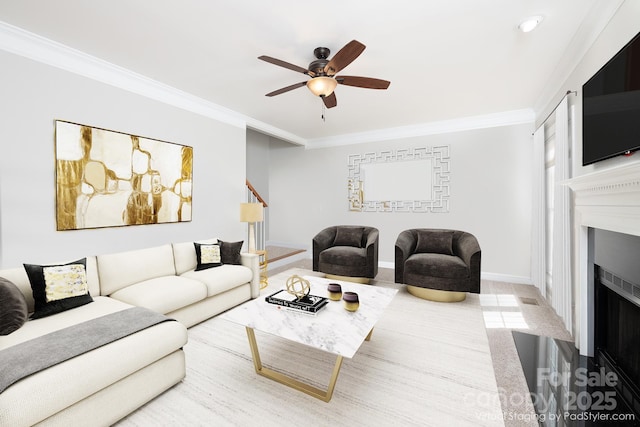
{"points": [[403, 180], [108, 179]]}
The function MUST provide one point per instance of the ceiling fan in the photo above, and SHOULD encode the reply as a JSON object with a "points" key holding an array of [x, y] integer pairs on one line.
{"points": [[323, 73]]}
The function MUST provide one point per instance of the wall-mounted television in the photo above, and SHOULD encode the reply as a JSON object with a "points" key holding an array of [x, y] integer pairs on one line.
{"points": [[611, 107]]}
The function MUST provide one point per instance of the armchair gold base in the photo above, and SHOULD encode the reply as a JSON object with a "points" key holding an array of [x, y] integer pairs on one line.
{"points": [[436, 294], [362, 280]]}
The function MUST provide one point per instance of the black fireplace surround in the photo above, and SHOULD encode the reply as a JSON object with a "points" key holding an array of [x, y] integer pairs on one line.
{"points": [[617, 310], [568, 389]]}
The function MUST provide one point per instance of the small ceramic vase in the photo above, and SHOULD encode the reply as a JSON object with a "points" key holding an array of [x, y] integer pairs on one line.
{"points": [[351, 302], [335, 291]]}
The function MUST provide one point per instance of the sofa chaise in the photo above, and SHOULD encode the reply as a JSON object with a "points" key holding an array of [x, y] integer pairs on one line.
{"points": [[103, 385]]}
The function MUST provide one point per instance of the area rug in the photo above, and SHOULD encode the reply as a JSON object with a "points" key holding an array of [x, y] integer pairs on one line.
{"points": [[427, 364]]}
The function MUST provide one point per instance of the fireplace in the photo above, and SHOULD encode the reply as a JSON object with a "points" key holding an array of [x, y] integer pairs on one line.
{"points": [[616, 283], [607, 200]]}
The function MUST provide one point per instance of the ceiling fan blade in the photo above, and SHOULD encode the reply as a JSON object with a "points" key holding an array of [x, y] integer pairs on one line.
{"points": [[344, 57], [284, 64], [330, 101], [365, 82], [286, 89]]}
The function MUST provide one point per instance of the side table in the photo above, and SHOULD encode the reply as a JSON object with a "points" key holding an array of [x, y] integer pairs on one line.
{"points": [[264, 278]]}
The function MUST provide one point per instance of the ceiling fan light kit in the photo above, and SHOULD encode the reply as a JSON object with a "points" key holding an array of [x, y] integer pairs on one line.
{"points": [[322, 85], [323, 73]]}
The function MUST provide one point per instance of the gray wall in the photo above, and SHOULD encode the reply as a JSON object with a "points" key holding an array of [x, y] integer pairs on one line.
{"points": [[258, 162], [258, 168], [490, 194], [33, 96]]}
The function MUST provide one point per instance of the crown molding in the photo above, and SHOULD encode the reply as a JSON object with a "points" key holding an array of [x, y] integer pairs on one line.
{"points": [[35, 47], [594, 23], [29, 45], [505, 118]]}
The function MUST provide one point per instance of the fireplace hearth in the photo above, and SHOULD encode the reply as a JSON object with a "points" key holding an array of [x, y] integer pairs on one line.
{"points": [[569, 389]]}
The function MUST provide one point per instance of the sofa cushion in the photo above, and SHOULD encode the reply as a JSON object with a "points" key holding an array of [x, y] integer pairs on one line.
{"points": [[184, 255], [35, 328], [343, 255], [435, 242], [207, 255], [82, 379], [349, 236], [13, 312], [230, 252], [57, 288], [436, 265], [222, 278], [122, 269], [163, 294]]}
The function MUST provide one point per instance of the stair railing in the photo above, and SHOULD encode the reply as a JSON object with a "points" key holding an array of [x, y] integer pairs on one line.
{"points": [[261, 231]]}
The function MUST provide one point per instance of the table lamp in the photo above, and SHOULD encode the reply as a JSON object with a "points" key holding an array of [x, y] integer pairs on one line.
{"points": [[251, 213]]}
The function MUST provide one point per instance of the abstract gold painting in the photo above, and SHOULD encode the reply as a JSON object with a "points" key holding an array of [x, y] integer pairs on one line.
{"points": [[108, 179]]}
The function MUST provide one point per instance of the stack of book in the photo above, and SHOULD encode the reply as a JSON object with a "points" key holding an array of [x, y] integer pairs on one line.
{"points": [[309, 304]]}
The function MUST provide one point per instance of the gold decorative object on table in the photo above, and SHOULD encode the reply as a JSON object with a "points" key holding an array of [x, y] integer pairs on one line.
{"points": [[264, 278], [298, 286]]}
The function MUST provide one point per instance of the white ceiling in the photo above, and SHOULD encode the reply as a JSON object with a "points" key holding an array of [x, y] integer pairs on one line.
{"points": [[446, 59]]}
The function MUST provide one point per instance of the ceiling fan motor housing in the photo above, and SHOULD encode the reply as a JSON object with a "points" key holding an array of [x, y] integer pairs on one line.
{"points": [[317, 66]]}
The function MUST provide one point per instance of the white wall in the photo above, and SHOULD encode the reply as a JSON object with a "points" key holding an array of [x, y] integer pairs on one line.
{"points": [[33, 95], [624, 25], [490, 194]]}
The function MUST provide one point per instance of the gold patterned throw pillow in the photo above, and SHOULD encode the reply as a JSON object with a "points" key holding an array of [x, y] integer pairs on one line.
{"points": [[207, 255], [64, 281], [210, 254], [58, 288]]}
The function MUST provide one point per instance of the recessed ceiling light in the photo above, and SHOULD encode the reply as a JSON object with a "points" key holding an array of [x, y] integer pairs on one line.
{"points": [[530, 24]]}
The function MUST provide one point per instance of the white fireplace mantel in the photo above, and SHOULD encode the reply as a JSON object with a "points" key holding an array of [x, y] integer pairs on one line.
{"points": [[610, 200]]}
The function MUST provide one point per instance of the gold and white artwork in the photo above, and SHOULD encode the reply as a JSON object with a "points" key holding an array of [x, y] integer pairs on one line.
{"points": [[106, 179]]}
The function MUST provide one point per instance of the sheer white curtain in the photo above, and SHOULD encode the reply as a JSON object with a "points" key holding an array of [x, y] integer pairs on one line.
{"points": [[538, 231], [561, 276]]}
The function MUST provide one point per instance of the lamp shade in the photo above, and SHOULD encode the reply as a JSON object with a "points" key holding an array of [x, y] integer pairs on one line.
{"points": [[251, 212], [322, 85]]}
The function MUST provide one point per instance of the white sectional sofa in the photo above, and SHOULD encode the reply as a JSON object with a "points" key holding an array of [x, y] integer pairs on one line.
{"points": [[105, 384]]}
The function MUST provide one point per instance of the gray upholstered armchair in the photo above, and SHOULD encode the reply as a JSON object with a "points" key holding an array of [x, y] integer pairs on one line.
{"points": [[348, 252], [440, 265]]}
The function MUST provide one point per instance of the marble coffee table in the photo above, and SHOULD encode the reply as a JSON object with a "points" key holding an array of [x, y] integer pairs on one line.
{"points": [[333, 330]]}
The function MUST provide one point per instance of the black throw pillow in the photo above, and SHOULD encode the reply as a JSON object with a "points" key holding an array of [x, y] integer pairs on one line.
{"points": [[57, 288], [208, 255], [230, 252], [13, 307]]}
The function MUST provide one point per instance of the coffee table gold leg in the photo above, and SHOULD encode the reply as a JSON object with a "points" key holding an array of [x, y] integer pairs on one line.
{"points": [[324, 395], [368, 338], [253, 344]]}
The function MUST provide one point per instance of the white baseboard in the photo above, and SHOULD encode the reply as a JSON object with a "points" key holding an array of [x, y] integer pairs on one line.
{"points": [[497, 277], [288, 260], [484, 275], [288, 245]]}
